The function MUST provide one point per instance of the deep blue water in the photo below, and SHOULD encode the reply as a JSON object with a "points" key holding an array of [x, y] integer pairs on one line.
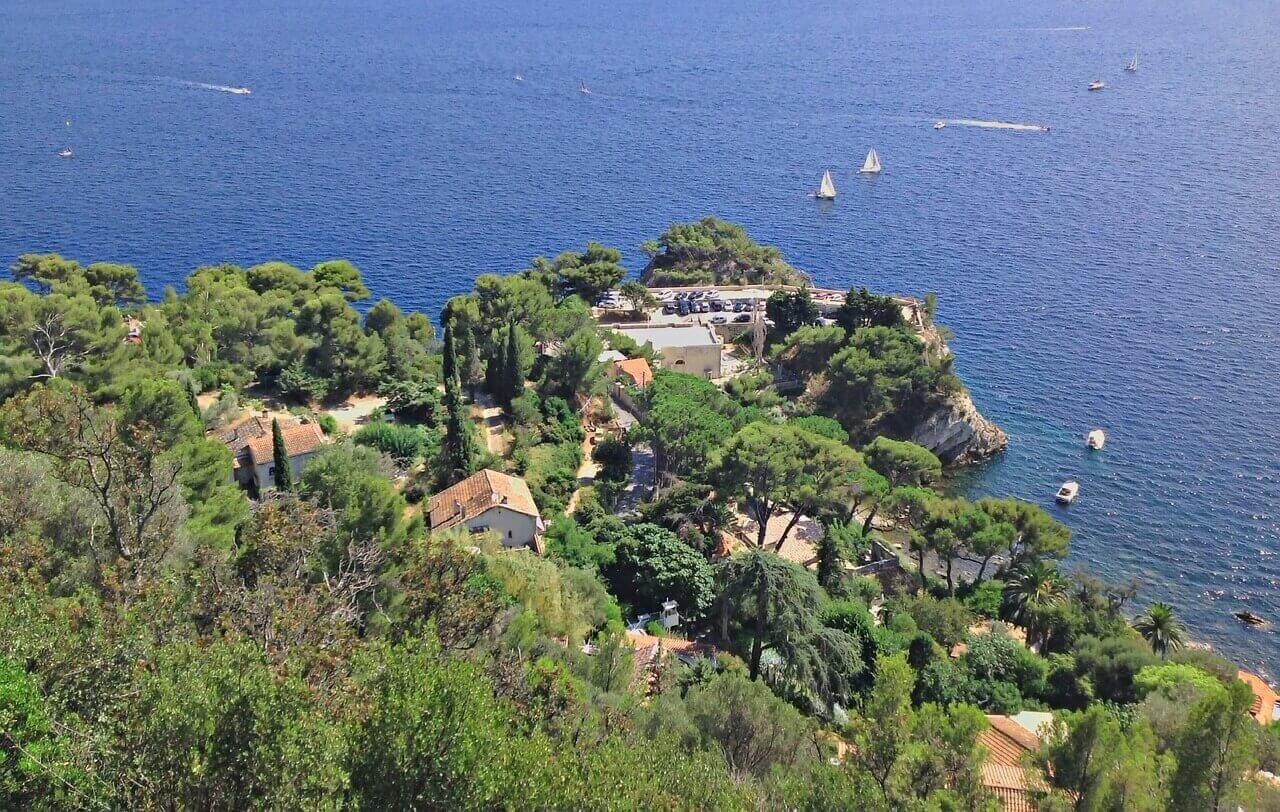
{"points": [[1119, 271]]}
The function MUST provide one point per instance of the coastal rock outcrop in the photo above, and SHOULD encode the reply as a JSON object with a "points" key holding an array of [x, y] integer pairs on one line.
{"points": [[958, 433]]}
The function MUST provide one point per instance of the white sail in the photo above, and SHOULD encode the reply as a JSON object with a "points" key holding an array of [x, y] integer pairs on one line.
{"points": [[1133, 63], [827, 189], [872, 164]]}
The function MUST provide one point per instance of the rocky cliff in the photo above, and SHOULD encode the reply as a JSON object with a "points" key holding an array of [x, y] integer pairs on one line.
{"points": [[958, 433]]}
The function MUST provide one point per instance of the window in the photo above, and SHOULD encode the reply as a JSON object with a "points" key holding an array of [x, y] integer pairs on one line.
{"points": [[510, 534]]}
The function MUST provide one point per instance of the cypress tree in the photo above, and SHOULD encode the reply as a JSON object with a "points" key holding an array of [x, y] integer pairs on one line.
{"points": [[459, 443], [512, 373], [450, 353], [280, 456], [495, 370]]}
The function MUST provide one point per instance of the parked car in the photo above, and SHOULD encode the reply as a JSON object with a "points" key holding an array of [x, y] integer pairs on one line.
{"points": [[682, 307], [718, 319], [745, 317], [668, 309], [703, 307], [717, 305]]}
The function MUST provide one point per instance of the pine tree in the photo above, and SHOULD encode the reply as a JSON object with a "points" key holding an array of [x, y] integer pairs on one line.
{"points": [[280, 456]]}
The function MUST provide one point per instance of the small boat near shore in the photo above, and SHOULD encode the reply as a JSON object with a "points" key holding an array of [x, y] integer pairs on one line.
{"points": [[1249, 618], [1097, 84], [1068, 492], [1096, 440]]}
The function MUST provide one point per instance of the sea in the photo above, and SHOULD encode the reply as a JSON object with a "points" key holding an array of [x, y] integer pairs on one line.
{"points": [[1115, 263]]}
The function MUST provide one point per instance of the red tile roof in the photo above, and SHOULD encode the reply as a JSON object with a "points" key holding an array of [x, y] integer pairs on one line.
{"points": [[1264, 697], [637, 369], [1006, 741], [476, 494], [1010, 787], [299, 438]]}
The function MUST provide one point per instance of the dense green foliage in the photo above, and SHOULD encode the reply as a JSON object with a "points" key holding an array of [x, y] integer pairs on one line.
{"points": [[714, 251], [166, 643]]}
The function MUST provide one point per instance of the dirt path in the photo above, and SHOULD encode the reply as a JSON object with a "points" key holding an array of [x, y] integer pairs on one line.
{"points": [[494, 424]]}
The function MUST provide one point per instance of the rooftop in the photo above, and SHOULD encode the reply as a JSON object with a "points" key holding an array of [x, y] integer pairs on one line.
{"points": [[477, 493], [1264, 697], [676, 335], [636, 368], [299, 438]]}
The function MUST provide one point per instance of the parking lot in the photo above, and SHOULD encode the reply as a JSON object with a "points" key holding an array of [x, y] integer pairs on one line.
{"points": [[709, 305]]}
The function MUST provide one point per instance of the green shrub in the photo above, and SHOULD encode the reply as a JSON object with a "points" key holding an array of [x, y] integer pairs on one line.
{"points": [[402, 443]]}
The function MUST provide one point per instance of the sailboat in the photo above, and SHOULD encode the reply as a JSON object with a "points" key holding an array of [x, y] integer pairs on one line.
{"points": [[827, 188], [582, 88], [66, 152], [871, 166], [1133, 64], [519, 77]]}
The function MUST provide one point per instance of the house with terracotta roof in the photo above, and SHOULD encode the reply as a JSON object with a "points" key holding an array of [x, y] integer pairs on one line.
{"points": [[253, 449], [1264, 708], [649, 654], [1008, 741], [490, 502], [635, 370]]}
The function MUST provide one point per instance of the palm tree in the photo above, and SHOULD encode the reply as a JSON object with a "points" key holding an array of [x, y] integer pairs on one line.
{"points": [[1031, 590], [1160, 627]]}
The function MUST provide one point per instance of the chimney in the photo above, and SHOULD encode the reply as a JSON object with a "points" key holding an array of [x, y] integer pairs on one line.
{"points": [[457, 508]]}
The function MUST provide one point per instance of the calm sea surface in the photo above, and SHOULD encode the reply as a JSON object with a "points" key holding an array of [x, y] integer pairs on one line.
{"points": [[1120, 270]]}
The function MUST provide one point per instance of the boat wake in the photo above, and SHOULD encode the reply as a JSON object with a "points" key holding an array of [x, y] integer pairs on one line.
{"points": [[998, 125], [239, 91]]}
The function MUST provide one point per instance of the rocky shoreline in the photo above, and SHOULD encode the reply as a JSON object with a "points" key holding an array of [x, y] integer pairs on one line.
{"points": [[958, 433]]}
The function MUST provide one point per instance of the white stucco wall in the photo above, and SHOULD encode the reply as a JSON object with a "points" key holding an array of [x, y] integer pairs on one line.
{"points": [[701, 360], [514, 529], [267, 481]]}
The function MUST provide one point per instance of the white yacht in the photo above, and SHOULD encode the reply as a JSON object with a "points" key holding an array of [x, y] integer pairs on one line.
{"points": [[1068, 492], [939, 124], [65, 152], [519, 77], [1096, 440], [827, 188], [872, 165], [1097, 84], [239, 91]]}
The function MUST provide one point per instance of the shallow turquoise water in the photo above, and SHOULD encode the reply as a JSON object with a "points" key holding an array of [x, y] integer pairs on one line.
{"points": [[1120, 270]]}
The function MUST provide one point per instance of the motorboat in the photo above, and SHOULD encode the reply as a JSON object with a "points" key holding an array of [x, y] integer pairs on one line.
{"points": [[939, 124], [240, 91], [872, 165], [519, 77], [1133, 64], [65, 152], [1097, 84], [1096, 440], [1068, 492], [827, 188], [1249, 618]]}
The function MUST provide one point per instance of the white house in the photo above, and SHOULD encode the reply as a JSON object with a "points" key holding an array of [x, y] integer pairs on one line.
{"points": [[692, 348], [490, 502], [253, 450]]}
